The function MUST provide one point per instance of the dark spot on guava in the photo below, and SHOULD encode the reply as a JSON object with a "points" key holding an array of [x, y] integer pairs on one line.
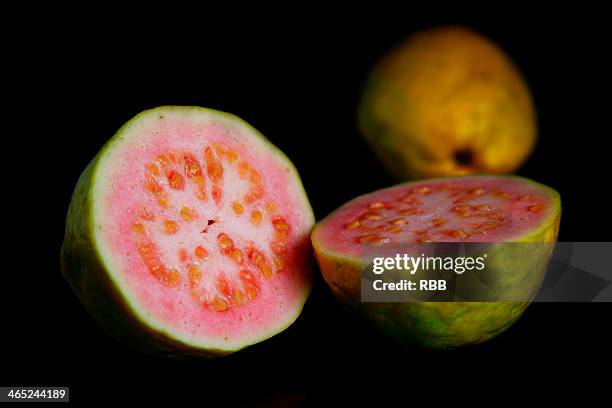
{"points": [[464, 157]]}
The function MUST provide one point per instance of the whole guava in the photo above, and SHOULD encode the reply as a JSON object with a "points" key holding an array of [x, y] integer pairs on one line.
{"points": [[447, 102]]}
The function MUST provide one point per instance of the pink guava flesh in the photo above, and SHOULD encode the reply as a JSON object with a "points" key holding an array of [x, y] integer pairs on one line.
{"points": [[207, 228], [470, 209]]}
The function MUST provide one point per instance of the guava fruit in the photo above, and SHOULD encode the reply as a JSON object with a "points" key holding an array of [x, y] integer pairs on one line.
{"points": [[447, 102], [415, 216], [188, 234]]}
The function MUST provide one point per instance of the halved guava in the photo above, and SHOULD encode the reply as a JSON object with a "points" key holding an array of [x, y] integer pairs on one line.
{"points": [[188, 233], [412, 216]]}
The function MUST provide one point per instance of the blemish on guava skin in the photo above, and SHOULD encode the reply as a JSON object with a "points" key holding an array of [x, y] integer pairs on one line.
{"points": [[464, 157]]}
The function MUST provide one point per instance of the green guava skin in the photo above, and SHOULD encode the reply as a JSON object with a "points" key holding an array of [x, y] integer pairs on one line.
{"points": [[85, 270], [449, 325]]}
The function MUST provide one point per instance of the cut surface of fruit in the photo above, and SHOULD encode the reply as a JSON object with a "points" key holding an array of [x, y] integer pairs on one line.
{"points": [[413, 218], [202, 227], [474, 209]]}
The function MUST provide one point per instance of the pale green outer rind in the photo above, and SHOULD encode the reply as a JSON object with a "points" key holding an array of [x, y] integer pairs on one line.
{"points": [[432, 324], [87, 263]]}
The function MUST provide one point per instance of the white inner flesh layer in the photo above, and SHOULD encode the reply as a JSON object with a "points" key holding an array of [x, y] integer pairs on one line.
{"points": [[210, 219]]}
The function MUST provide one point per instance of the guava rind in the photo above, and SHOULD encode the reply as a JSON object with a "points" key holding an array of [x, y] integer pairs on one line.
{"points": [[104, 298], [446, 325]]}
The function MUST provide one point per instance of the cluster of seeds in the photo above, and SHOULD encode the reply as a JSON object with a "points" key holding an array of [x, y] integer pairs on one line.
{"points": [[182, 171], [438, 213]]}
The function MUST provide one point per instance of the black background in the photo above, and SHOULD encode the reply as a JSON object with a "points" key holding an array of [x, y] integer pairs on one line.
{"points": [[296, 76]]}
